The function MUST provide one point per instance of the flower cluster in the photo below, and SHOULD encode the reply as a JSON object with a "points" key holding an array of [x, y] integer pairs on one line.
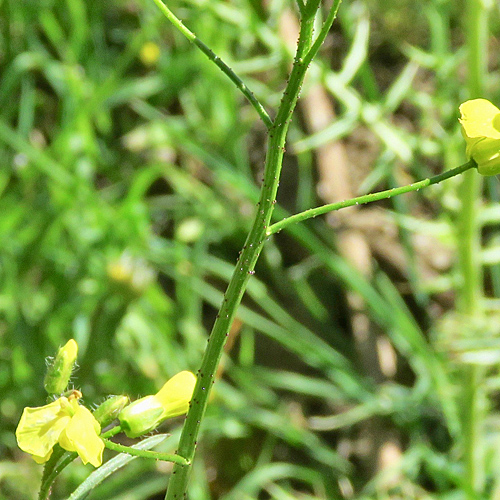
{"points": [[69, 424]]}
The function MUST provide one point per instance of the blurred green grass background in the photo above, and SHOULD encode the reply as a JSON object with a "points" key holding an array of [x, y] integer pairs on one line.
{"points": [[129, 175]]}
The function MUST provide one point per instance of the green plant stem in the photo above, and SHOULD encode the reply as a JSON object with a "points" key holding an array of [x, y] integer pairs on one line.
{"points": [[248, 257], [66, 459], [112, 432], [48, 470], [301, 5], [311, 54], [166, 457], [367, 198], [473, 430], [218, 61], [469, 304], [477, 44], [469, 244]]}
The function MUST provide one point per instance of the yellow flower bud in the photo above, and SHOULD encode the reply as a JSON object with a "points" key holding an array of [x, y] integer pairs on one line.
{"points": [[59, 371], [176, 394], [141, 416], [106, 412], [145, 414], [480, 121]]}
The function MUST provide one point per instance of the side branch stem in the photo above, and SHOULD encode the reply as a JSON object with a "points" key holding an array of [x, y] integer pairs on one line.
{"points": [[367, 198], [218, 61], [166, 457]]}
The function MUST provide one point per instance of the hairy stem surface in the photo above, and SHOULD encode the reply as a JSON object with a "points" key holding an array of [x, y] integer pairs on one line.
{"points": [[249, 254]]}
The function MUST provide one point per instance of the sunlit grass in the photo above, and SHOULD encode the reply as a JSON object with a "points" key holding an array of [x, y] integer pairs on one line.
{"points": [[128, 185]]}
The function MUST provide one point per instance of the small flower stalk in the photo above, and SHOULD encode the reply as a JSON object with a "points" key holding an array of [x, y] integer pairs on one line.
{"points": [[172, 400], [480, 120]]}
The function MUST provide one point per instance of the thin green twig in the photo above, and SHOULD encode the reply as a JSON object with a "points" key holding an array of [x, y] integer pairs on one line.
{"points": [[166, 457], [310, 9], [311, 54], [367, 198], [218, 61], [112, 432]]}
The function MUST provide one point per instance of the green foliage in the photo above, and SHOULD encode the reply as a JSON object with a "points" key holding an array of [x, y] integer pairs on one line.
{"points": [[126, 190]]}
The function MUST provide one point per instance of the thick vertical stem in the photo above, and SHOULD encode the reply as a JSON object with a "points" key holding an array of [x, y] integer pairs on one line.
{"points": [[246, 262], [470, 299]]}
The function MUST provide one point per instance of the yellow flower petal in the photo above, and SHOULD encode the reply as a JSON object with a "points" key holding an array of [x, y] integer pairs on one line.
{"points": [[176, 394], [478, 119], [39, 429], [82, 435], [71, 349], [63, 421], [42, 460], [480, 122]]}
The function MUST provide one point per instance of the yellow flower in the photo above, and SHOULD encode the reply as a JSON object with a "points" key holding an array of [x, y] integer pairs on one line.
{"points": [[172, 400], [63, 421], [480, 122], [149, 54]]}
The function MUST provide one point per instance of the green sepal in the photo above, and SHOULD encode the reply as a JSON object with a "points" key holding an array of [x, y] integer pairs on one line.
{"points": [[141, 416], [108, 411]]}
